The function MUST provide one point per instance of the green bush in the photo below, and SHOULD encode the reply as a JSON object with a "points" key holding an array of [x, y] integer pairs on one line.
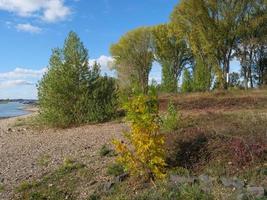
{"points": [[71, 92], [172, 120], [106, 151], [115, 169]]}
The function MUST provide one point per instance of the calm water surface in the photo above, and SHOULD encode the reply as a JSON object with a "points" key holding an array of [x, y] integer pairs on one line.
{"points": [[12, 109]]}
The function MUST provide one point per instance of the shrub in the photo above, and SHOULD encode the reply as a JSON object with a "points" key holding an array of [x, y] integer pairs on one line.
{"points": [[244, 152], [106, 151], [146, 155], [115, 169], [171, 120], [70, 92]]}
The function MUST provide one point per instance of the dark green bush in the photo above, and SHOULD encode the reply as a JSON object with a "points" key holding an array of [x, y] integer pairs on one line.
{"points": [[71, 92], [115, 169]]}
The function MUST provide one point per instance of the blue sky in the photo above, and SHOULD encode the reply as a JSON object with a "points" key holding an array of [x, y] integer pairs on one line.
{"points": [[31, 28]]}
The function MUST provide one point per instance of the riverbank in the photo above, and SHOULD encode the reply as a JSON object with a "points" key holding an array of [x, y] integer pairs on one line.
{"points": [[28, 154]]}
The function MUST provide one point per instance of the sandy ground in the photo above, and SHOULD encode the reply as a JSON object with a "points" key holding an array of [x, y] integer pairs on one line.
{"points": [[22, 148]]}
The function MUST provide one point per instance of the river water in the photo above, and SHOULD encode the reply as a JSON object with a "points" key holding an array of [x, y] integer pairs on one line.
{"points": [[12, 109]]}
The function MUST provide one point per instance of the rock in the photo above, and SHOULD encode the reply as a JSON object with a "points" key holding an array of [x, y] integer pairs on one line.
{"points": [[206, 182], [182, 179], [232, 182], [9, 130], [257, 192], [108, 185], [2, 180], [121, 177]]}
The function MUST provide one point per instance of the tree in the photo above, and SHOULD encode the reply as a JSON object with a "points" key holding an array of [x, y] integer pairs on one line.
{"points": [[252, 44], [212, 29], [172, 53], [187, 84], [133, 58], [234, 79], [67, 92]]}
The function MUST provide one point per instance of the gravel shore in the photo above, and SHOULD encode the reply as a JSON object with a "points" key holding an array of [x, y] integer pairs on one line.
{"points": [[22, 147]]}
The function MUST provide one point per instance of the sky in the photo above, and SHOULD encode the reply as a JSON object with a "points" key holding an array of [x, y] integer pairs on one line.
{"points": [[30, 29]]}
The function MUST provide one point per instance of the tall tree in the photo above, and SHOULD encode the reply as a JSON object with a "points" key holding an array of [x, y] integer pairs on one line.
{"points": [[172, 53], [68, 92], [133, 58], [212, 29], [187, 84], [252, 44]]}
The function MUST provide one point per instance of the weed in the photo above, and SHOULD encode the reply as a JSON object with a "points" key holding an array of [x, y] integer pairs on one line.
{"points": [[44, 160], [115, 169], [58, 185], [172, 120], [2, 188], [106, 151]]}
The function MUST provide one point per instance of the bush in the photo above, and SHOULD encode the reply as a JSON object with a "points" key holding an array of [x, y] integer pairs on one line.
{"points": [[71, 93], [171, 121], [106, 151], [245, 152], [146, 155], [115, 169]]}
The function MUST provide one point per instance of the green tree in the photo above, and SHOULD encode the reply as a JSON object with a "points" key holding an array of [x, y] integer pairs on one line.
{"points": [[133, 58], [187, 84], [213, 30], [234, 79], [68, 93], [202, 77], [172, 53]]}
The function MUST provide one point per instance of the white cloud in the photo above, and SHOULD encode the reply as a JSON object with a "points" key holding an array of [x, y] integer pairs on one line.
{"points": [[23, 73], [28, 28], [14, 83], [47, 10], [104, 61]]}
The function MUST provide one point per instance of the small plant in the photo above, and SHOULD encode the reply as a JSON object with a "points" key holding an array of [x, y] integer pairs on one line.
{"points": [[145, 156], [115, 170], [245, 152], [106, 151], [2, 188], [44, 161], [172, 120]]}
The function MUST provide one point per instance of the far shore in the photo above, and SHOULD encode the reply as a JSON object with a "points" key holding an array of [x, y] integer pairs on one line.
{"points": [[28, 108]]}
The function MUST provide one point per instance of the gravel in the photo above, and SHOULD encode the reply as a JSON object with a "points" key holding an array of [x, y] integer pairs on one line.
{"points": [[22, 148]]}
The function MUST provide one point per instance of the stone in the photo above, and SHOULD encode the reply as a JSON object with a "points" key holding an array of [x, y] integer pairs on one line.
{"points": [[9, 130], [182, 179], [2, 180], [206, 182], [108, 185], [121, 177], [257, 192], [232, 182]]}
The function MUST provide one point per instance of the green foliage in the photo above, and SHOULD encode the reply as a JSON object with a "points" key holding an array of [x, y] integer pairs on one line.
{"points": [[70, 93], [187, 84], [172, 120], [162, 191], [201, 77], [172, 53], [115, 169], [234, 80], [106, 151], [146, 155], [133, 59]]}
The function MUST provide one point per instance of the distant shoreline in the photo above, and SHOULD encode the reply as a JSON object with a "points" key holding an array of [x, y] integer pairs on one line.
{"points": [[29, 108]]}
